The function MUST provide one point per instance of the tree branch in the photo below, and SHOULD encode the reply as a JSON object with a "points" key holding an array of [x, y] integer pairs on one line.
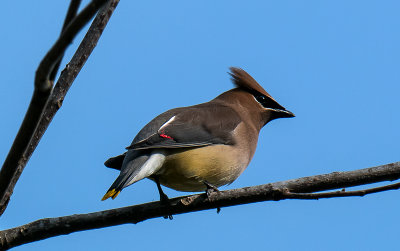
{"points": [[71, 13], [58, 49], [290, 189], [34, 123], [341, 193]]}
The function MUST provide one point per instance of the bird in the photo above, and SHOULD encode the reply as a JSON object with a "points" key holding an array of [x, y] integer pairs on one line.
{"points": [[200, 147]]}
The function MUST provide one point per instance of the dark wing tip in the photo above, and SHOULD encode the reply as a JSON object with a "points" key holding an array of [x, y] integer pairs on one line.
{"points": [[115, 162]]}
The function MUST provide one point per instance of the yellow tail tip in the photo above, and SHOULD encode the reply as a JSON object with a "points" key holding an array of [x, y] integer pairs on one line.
{"points": [[115, 195], [112, 193]]}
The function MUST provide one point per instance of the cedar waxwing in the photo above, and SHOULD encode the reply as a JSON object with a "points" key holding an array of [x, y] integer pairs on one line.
{"points": [[200, 147]]}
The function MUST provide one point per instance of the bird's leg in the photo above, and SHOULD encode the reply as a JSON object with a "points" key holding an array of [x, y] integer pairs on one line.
{"points": [[163, 197], [209, 190]]}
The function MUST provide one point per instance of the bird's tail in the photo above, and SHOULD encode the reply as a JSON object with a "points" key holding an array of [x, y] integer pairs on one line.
{"points": [[131, 166], [116, 187]]}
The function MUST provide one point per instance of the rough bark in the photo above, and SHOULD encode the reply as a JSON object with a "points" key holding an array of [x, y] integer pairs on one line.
{"points": [[301, 188]]}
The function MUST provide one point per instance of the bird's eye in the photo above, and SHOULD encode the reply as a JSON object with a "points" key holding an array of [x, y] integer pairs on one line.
{"points": [[267, 102], [260, 98]]}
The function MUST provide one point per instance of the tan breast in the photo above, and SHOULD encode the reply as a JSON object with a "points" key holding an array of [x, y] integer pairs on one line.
{"points": [[187, 169]]}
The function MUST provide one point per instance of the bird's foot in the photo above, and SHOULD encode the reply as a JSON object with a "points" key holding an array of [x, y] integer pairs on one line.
{"points": [[210, 190], [164, 200]]}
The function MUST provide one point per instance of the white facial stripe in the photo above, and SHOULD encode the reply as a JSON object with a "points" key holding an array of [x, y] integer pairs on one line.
{"points": [[272, 109], [152, 165], [281, 111], [166, 123]]}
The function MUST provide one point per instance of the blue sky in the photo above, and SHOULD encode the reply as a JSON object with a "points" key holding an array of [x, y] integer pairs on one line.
{"points": [[335, 64]]}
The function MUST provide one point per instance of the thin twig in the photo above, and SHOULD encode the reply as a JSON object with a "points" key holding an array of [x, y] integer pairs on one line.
{"points": [[71, 13], [49, 227], [48, 62], [341, 193], [21, 150]]}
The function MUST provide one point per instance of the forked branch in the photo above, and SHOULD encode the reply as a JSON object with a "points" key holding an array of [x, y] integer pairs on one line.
{"points": [[28, 136]]}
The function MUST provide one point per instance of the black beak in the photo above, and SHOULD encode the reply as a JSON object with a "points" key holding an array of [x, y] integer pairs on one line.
{"points": [[282, 113]]}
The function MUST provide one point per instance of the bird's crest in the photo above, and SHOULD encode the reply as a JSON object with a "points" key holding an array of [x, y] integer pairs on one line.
{"points": [[242, 79]]}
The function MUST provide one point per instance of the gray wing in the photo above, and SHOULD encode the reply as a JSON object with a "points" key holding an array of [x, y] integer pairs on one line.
{"points": [[198, 125]]}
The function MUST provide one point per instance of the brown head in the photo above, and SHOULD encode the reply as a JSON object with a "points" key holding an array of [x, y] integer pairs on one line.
{"points": [[251, 100]]}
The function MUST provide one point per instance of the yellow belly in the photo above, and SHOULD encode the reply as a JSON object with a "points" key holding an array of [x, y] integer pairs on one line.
{"points": [[187, 169]]}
